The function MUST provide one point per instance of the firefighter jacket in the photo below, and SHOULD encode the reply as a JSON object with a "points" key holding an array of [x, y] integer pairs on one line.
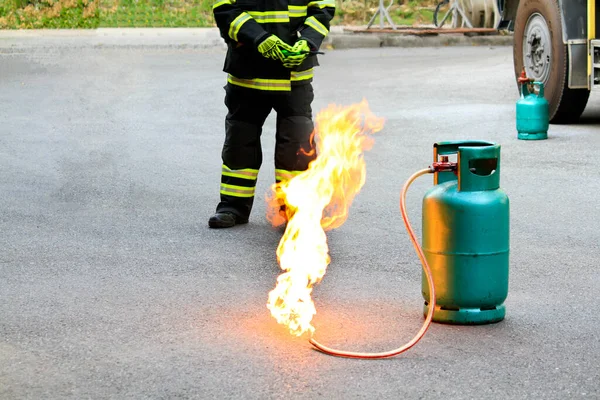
{"points": [[244, 24]]}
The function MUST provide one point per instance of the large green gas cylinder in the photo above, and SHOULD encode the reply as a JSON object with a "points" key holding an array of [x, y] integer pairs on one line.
{"points": [[532, 111], [466, 235]]}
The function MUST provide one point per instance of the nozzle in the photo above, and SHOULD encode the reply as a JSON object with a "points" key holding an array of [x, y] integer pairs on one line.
{"points": [[523, 77]]}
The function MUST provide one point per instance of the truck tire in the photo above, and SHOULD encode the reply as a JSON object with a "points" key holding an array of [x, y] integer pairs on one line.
{"points": [[538, 45]]}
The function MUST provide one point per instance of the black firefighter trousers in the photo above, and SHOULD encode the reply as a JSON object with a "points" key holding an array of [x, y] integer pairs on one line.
{"points": [[242, 152]]}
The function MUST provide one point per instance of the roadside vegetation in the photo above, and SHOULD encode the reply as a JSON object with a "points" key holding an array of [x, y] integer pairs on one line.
{"points": [[70, 14]]}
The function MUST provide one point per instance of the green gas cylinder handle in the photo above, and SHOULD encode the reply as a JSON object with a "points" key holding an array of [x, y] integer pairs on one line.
{"points": [[451, 147], [479, 168], [526, 91], [541, 86], [467, 149]]}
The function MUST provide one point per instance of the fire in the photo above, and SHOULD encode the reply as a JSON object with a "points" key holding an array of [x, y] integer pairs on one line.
{"points": [[317, 200]]}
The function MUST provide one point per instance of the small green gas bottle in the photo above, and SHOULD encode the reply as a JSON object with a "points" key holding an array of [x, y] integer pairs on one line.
{"points": [[532, 111], [466, 235]]}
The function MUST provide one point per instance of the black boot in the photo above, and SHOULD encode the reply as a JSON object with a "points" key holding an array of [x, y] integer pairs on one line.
{"points": [[225, 219]]}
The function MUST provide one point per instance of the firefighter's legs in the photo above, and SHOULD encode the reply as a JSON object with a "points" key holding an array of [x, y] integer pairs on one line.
{"points": [[293, 148], [242, 154]]}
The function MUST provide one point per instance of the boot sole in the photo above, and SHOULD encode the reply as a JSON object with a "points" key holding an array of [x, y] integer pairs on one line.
{"points": [[217, 224]]}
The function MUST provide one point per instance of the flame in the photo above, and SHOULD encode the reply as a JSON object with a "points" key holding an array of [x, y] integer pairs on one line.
{"points": [[317, 200]]}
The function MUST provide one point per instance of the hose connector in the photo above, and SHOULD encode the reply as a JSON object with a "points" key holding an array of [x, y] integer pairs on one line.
{"points": [[444, 166]]}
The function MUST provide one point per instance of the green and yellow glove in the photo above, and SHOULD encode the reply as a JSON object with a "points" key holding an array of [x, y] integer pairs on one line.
{"points": [[272, 48], [297, 55], [301, 46]]}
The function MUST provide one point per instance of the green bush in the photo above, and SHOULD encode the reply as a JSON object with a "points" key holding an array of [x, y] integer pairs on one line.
{"points": [[26, 14], [156, 13], [36, 14]]}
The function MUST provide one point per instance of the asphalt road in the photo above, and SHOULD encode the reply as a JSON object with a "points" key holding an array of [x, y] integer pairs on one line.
{"points": [[112, 286]]}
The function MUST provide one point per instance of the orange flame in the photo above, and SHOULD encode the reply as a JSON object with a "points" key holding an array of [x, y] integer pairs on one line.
{"points": [[317, 200]]}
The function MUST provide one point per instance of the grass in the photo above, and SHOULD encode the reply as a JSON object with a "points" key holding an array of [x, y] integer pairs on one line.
{"points": [[156, 13], [407, 13], [36, 14]]}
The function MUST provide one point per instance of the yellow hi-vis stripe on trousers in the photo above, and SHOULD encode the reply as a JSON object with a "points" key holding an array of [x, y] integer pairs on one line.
{"points": [[249, 177], [246, 173], [236, 191], [284, 175]]}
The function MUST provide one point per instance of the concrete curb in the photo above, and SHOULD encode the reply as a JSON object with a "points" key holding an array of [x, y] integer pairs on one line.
{"points": [[366, 40], [113, 38], [205, 38]]}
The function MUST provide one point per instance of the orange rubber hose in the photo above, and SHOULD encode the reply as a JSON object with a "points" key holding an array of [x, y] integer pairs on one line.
{"points": [[419, 335]]}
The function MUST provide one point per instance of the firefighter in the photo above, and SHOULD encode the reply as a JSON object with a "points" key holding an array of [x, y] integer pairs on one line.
{"points": [[269, 67]]}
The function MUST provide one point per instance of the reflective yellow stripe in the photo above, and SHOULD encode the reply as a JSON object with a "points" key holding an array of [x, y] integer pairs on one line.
{"points": [[236, 25], [297, 11], [321, 4], [237, 191], [284, 175], [246, 173], [302, 75], [222, 3], [316, 25], [261, 84], [264, 17]]}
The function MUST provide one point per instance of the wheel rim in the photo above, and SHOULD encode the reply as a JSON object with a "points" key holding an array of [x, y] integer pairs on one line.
{"points": [[537, 48]]}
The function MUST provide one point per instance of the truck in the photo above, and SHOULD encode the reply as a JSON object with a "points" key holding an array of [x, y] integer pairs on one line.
{"points": [[556, 42]]}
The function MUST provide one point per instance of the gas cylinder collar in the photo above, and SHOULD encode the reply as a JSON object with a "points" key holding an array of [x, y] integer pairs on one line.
{"points": [[444, 166]]}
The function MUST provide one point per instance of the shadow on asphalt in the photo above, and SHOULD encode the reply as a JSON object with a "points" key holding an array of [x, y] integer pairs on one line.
{"points": [[590, 120]]}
